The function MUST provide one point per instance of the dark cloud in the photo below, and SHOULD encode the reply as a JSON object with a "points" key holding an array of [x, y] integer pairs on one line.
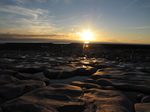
{"points": [[55, 38]]}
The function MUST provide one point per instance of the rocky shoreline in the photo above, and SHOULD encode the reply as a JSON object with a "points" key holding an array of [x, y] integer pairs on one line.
{"points": [[41, 82]]}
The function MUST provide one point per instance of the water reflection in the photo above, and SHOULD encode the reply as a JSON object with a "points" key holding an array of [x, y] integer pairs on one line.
{"points": [[86, 49], [85, 45]]}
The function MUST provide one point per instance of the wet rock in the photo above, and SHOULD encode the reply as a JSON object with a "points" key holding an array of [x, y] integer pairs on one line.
{"points": [[8, 92], [59, 73], [108, 100], [142, 107], [0, 110], [99, 66], [85, 70], [109, 88], [95, 76], [72, 108], [64, 97], [103, 82], [1, 101], [46, 99], [64, 72], [30, 69], [146, 99], [89, 80], [90, 107], [67, 90], [14, 90], [108, 74], [131, 86], [68, 80], [30, 85], [85, 85], [99, 91], [125, 85], [11, 87], [147, 70], [89, 71], [8, 72], [140, 97], [27, 76], [128, 81], [132, 96], [21, 105], [6, 79]]}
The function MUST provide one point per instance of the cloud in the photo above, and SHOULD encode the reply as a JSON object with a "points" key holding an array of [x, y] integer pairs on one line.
{"points": [[40, 1], [31, 21], [23, 11], [67, 1], [64, 1], [129, 5], [20, 1], [24, 20], [140, 27], [58, 37]]}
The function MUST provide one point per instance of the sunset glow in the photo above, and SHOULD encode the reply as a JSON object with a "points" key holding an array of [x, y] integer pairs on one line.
{"points": [[86, 36], [124, 21]]}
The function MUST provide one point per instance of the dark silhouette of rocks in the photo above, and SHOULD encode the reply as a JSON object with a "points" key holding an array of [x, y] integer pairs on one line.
{"points": [[115, 78], [119, 52]]}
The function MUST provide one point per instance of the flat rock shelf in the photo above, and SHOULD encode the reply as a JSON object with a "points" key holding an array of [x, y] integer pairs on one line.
{"points": [[39, 82]]}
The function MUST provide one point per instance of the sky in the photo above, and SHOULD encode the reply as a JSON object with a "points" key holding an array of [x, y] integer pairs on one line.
{"points": [[113, 21]]}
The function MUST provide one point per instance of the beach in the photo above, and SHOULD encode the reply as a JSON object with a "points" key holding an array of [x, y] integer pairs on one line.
{"points": [[46, 77]]}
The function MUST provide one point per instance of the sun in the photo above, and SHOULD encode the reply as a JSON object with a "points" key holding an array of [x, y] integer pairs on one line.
{"points": [[87, 35]]}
